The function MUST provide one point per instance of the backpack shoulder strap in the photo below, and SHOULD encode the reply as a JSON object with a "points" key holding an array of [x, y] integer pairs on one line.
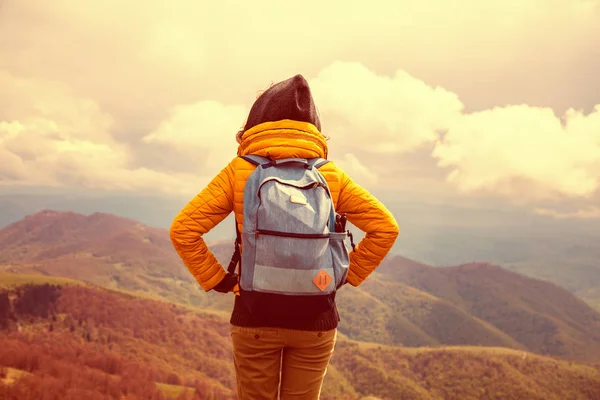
{"points": [[317, 162], [259, 160], [235, 258], [256, 160]]}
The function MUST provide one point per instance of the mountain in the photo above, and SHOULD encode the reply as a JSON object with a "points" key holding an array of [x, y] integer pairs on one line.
{"points": [[450, 232], [153, 210], [73, 340], [540, 315], [403, 303], [150, 209], [103, 249], [397, 314]]}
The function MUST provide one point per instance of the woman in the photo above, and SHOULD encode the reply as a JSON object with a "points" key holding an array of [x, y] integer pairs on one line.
{"points": [[280, 342]]}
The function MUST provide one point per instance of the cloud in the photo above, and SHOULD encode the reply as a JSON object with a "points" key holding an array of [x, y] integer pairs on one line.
{"points": [[378, 113], [588, 213], [138, 59], [146, 96], [512, 151], [357, 170], [51, 137], [202, 132], [523, 151], [12, 168]]}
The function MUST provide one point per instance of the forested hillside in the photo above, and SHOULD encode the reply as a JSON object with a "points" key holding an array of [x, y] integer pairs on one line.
{"points": [[77, 341]]}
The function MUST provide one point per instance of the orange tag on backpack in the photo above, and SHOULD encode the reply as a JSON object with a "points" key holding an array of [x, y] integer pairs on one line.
{"points": [[322, 280]]}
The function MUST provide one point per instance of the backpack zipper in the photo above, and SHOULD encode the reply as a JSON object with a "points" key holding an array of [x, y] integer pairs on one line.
{"points": [[292, 235]]}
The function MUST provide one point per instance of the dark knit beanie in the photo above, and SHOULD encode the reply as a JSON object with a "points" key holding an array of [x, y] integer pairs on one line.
{"points": [[289, 99]]}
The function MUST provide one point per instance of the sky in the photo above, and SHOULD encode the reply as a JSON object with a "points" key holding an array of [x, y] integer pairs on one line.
{"points": [[469, 102]]}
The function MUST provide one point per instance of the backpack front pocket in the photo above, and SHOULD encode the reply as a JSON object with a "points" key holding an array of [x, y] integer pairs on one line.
{"points": [[292, 265]]}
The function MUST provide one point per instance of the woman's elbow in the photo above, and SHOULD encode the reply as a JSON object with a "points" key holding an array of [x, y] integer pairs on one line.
{"points": [[393, 230], [175, 233]]}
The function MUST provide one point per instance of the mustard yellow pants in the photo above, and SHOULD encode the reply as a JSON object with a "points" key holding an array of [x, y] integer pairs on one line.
{"points": [[277, 363]]}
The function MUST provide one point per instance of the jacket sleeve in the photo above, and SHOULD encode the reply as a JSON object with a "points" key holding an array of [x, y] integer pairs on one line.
{"points": [[372, 217], [211, 206]]}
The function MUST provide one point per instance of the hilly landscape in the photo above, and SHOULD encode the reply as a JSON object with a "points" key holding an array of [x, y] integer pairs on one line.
{"points": [[403, 303], [106, 250], [562, 251], [540, 315], [62, 339], [409, 331]]}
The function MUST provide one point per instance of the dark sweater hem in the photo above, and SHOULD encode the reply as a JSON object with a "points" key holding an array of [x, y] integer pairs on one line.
{"points": [[245, 320], [258, 310]]}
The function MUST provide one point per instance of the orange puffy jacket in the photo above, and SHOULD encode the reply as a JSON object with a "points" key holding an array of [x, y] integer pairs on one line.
{"points": [[225, 193]]}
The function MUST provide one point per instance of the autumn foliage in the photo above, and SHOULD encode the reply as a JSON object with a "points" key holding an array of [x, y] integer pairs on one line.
{"points": [[78, 342]]}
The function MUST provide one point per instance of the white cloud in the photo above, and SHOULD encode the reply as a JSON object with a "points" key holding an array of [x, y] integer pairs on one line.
{"points": [[523, 151], [204, 134], [51, 137], [204, 131], [513, 151], [357, 170], [379, 113]]}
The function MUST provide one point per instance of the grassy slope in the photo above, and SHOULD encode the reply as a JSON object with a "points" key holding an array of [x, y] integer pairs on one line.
{"points": [[8, 280], [464, 373], [394, 313], [170, 391], [11, 375]]}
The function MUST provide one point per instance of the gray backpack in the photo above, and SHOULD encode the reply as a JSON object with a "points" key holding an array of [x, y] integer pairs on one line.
{"points": [[293, 240]]}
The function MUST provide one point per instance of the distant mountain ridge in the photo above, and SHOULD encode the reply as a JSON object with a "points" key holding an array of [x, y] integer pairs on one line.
{"points": [[55, 239], [542, 316], [562, 251], [106, 250], [402, 303]]}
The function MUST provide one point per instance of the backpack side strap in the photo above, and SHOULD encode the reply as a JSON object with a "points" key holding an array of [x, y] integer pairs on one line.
{"points": [[237, 254]]}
